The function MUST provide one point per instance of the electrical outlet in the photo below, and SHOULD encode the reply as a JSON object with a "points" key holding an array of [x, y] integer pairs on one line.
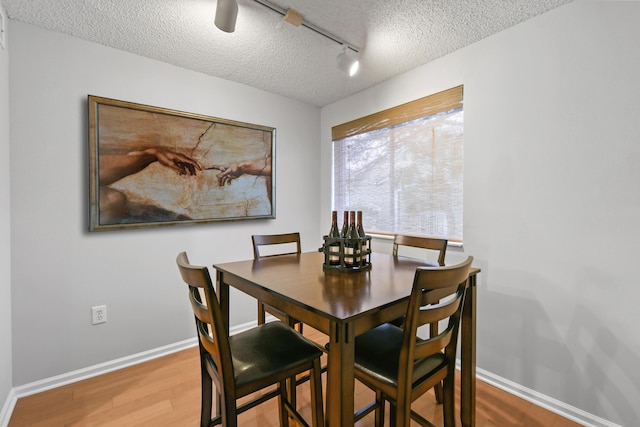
{"points": [[98, 314]]}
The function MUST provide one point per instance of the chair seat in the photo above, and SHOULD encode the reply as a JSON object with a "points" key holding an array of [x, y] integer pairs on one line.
{"points": [[378, 355], [267, 350]]}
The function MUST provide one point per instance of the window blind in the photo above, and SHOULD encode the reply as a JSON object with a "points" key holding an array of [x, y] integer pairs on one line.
{"points": [[403, 167]]}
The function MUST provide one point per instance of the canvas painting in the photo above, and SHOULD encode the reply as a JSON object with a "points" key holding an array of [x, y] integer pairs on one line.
{"points": [[151, 166]]}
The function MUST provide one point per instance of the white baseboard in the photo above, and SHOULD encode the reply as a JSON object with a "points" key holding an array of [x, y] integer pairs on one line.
{"points": [[7, 409], [95, 370], [101, 368], [567, 411], [539, 399]]}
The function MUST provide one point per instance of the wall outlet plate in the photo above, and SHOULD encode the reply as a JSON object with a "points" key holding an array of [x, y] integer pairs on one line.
{"points": [[98, 314]]}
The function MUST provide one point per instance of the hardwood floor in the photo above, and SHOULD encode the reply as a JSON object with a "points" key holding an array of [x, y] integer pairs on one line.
{"points": [[166, 392]]}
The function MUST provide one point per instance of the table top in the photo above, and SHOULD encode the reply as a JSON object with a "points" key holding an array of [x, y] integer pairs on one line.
{"points": [[340, 296]]}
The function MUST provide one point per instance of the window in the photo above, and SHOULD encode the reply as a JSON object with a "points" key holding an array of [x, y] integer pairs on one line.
{"points": [[403, 167]]}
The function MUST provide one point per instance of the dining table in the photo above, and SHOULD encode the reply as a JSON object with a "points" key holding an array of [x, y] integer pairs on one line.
{"points": [[343, 305]]}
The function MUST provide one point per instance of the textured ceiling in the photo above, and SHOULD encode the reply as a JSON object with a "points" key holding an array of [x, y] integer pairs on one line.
{"points": [[394, 36]]}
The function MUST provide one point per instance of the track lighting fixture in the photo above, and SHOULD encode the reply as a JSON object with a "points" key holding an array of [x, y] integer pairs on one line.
{"points": [[347, 63], [226, 15]]}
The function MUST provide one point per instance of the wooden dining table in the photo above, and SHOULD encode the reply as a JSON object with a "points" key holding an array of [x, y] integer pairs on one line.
{"points": [[343, 305]]}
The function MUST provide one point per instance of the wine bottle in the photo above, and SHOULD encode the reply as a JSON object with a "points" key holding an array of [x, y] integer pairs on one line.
{"points": [[345, 225], [362, 236], [334, 245], [351, 242]]}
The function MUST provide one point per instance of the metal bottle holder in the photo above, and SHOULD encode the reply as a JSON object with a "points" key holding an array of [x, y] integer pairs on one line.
{"points": [[347, 255]]}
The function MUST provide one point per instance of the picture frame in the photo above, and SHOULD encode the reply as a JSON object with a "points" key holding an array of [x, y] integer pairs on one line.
{"points": [[152, 166]]}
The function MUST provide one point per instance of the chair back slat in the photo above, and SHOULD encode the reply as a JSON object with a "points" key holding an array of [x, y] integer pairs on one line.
{"points": [[448, 310], [275, 239], [200, 310], [431, 243], [433, 345], [433, 296], [435, 312]]}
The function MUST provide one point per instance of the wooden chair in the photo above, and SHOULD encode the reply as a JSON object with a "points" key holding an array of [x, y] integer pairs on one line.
{"points": [[290, 239], [398, 365], [247, 362], [431, 243]]}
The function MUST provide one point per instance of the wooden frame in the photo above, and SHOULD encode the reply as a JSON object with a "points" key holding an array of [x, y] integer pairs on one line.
{"points": [[151, 166]]}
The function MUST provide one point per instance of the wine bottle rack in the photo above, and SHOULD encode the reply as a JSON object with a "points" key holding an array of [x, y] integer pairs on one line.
{"points": [[341, 258]]}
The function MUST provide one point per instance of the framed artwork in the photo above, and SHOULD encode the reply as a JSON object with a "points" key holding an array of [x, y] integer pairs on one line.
{"points": [[151, 166]]}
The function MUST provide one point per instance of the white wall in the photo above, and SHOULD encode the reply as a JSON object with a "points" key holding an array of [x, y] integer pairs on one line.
{"points": [[59, 269], [551, 200], [5, 229]]}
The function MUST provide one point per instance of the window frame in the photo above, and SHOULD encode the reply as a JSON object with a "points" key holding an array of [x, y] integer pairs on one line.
{"points": [[441, 102]]}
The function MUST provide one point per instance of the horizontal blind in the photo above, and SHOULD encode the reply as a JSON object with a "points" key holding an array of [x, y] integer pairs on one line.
{"points": [[406, 177], [446, 100]]}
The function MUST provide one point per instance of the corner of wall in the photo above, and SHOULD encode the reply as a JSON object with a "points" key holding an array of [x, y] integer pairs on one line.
{"points": [[7, 408], [6, 348]]}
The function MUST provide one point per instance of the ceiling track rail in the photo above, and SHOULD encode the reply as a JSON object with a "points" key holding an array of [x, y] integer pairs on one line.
{"points": [[310, 26]]}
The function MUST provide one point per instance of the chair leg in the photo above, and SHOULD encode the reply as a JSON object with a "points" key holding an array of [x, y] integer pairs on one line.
{"points": [[293, 396], [438, 391], [380, 409], [206, 397], [292, 391], [228, 408], [393, 414], [282, 409], [433, 331], [261, 313], [402, 408], [317, 411], [449, 403], [218, 405]]}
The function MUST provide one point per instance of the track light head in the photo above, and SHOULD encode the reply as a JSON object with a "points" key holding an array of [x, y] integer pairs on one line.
{"points": [[226, 15], [348, 64]]}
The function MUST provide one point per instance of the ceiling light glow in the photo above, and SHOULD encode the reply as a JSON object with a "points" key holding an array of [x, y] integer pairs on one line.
{"points": [[347, 63]]}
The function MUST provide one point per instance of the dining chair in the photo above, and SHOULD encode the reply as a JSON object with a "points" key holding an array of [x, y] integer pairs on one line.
{"points": [[247, 362], [430, 243], [285, 242], [399, 365]]}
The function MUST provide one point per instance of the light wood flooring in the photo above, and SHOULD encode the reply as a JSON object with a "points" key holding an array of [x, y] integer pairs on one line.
{"points": [[166, 392]]}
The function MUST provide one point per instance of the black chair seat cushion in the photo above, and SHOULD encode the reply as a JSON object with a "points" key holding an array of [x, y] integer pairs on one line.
{"points": [[378, 355], [267, 350]]}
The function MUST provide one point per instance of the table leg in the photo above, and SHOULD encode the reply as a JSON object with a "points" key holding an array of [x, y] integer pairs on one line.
{"points": [[340, 376], [222, 289], [468, 357]]}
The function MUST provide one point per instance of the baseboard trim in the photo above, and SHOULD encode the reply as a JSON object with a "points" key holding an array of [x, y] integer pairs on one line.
{"points": [[7, 409], [567, 411], [93, 371], [102, 368], [112, 365], [551, 404]]}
